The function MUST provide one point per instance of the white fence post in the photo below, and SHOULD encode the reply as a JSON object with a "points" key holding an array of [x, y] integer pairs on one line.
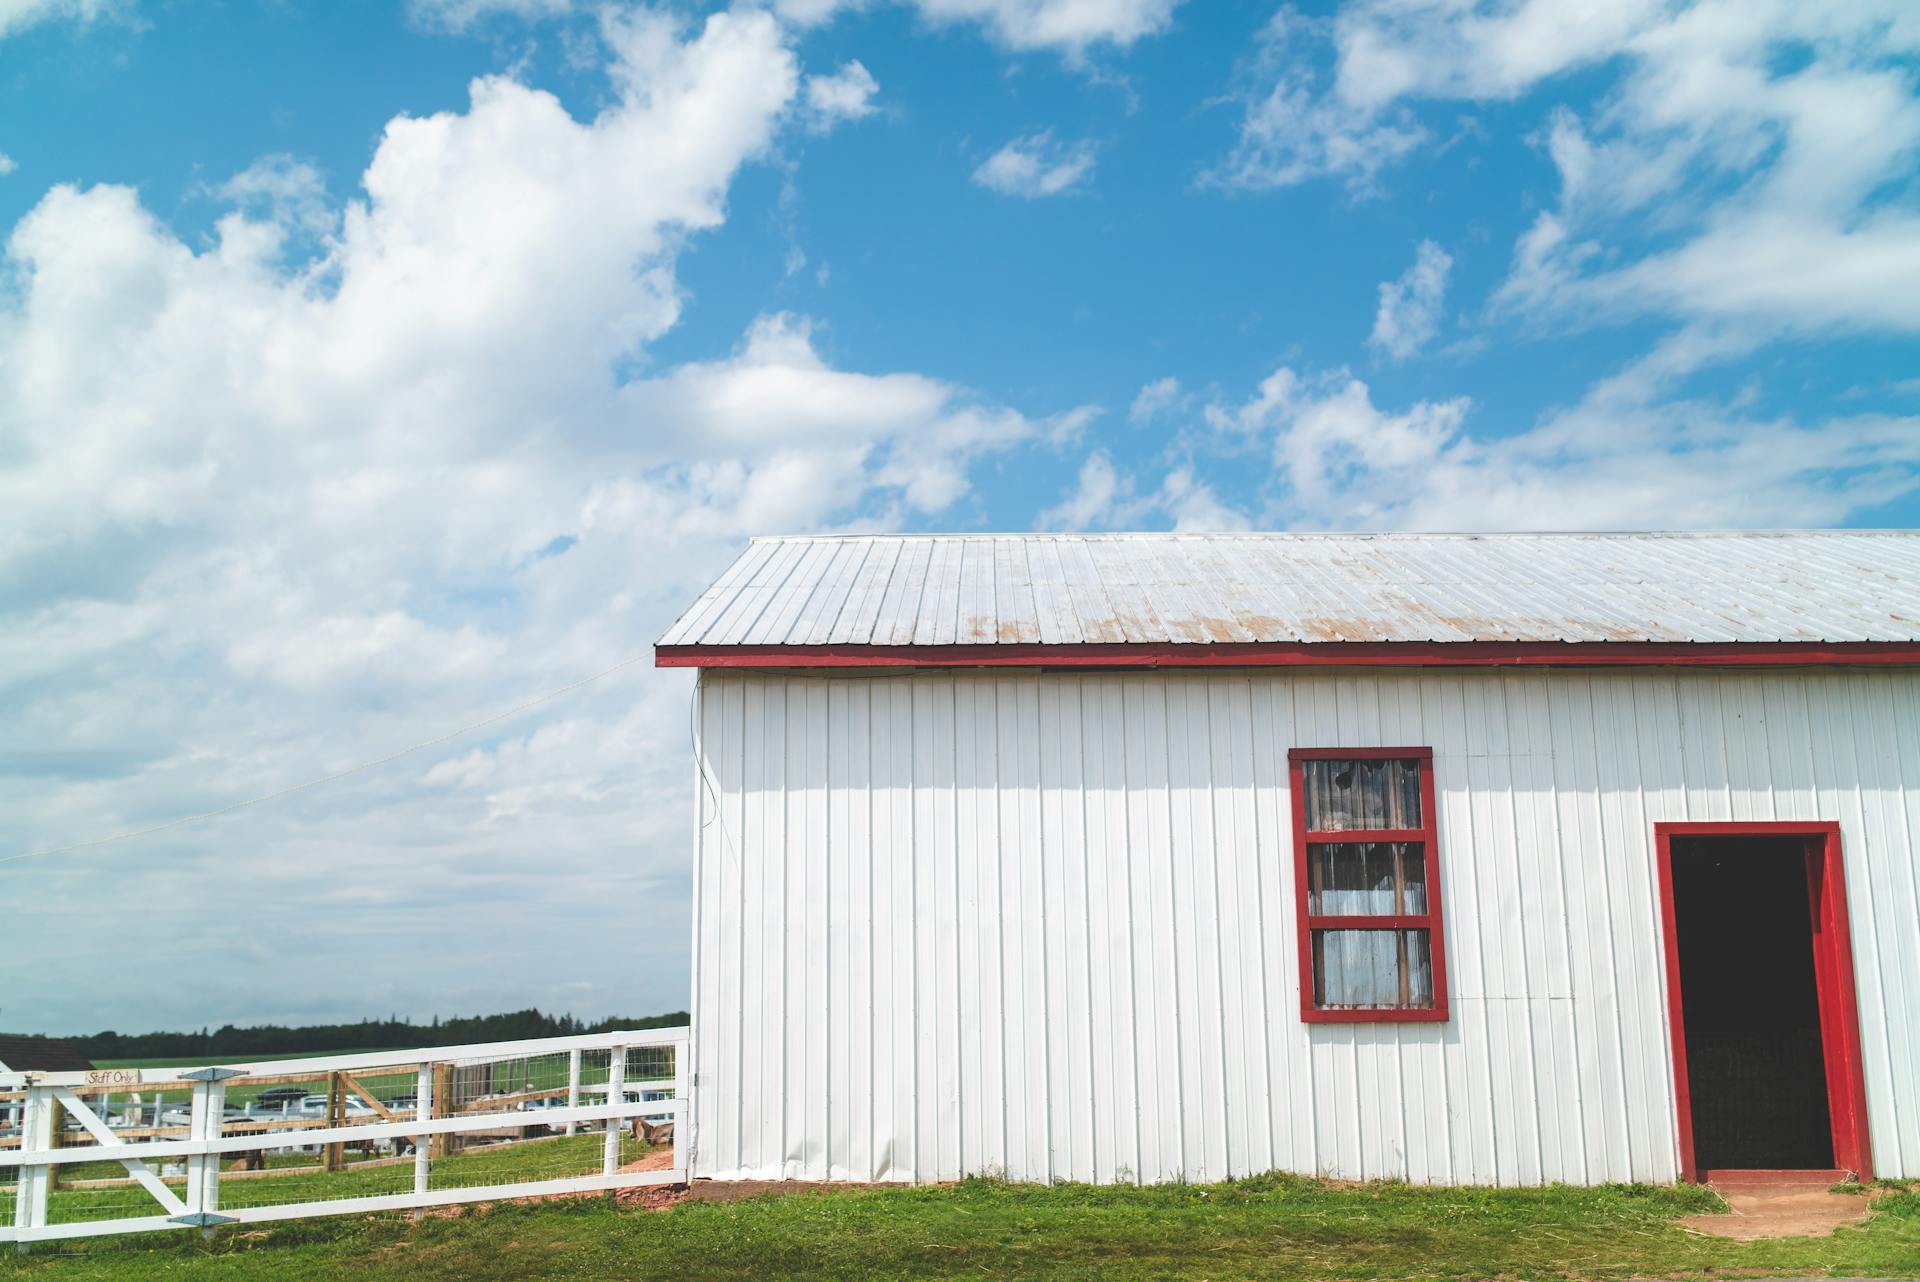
{"points": [[203, 1169], [213, 1127], [683, 1112], [36, 1133], [422, 1110], [616, 1096], [573, 1084]]}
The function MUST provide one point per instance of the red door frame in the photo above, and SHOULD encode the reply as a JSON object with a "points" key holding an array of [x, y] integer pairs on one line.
{"points": [[1833, 973]]}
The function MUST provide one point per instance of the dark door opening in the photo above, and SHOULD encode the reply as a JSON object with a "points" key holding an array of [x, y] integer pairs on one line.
{"points": [[1759, 968], [1756, 1065]]}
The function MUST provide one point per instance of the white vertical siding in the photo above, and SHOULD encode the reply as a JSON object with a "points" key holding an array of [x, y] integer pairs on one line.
{"points": [[1044, 924]]}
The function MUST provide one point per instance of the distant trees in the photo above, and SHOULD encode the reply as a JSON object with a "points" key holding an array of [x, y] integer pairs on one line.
{"points": [[231, 1043]]}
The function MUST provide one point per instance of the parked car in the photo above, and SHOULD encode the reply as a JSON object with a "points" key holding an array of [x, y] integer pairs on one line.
{"points": [[316, 1106], [279, 1098]]}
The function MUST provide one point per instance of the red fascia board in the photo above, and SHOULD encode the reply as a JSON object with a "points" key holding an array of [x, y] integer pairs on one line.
{"points": [[1296, 654]]}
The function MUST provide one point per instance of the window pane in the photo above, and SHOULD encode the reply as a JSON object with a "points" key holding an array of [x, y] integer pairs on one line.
{"points": [[1369, 877], [1343, 795], [1372, 970]]}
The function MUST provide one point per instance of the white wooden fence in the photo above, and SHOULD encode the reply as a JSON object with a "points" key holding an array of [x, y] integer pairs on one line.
{"points": [[563, 1086]]}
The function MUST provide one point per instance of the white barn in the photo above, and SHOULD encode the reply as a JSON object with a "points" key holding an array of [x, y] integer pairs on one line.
{"points": [[1454, 858]]}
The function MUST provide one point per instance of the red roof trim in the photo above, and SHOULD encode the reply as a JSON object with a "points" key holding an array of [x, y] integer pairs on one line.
{"points": [[1292, 654]]}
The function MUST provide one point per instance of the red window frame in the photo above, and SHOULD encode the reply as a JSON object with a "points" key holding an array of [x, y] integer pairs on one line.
{"points": [[1428, 837]]}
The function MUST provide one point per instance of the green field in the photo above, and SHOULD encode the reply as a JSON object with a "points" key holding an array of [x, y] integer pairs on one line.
{"points": [[1268, 1227]]}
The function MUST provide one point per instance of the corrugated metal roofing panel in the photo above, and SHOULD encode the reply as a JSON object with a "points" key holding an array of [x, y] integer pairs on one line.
{"points": [[1006, 589]]}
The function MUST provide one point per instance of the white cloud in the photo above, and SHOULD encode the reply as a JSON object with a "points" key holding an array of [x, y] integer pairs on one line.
{"points": [[1409, 313], [1625, 457], [845, 95], [1155, 399], [1746, 160], [1058, 24], [7, 164], [1291, 131], [1106, 498], [274, 511], [1098, 491], [1037, 164], [280, 190], [1067, 26], [460, 15], [18, 15]]}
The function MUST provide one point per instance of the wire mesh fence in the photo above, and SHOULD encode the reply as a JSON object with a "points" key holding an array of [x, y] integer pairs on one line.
{"points": [[168, 1148]]}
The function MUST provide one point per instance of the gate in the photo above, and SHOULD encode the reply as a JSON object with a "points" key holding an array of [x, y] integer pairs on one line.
{"points": [[142, 1149]]}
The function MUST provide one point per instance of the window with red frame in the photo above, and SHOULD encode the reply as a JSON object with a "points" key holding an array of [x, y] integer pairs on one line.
{"points": [[1367, 876]]}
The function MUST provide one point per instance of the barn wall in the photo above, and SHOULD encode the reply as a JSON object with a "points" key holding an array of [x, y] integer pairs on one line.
{"points": [[1043, 924]]}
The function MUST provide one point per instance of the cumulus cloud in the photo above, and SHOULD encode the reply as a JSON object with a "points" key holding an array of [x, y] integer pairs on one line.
{"points": [[1746, 162], [1037, 164], [1071, 27], [459, 15], [18, 15], [845, 95], [1106, 498], [341, 477], [1409, 311], [7, 164], [1155, 399], [1627, 456], [1293, 130]]}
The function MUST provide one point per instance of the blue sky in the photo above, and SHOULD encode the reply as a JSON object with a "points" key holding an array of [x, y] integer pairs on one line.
{"points": [[368, 368]]}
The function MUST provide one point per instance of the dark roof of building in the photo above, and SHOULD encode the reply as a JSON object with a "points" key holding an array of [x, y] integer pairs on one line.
{"points": [[40, 1055]]}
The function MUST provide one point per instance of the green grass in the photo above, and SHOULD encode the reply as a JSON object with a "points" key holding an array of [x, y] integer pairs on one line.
{"points": [[1269, 1227]]}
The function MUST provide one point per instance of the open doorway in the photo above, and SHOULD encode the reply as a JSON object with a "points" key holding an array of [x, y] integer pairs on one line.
{"points": [[1760, 993]]}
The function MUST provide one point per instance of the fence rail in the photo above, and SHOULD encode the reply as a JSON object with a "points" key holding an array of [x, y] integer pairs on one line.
{"points": [[480, 1122]]}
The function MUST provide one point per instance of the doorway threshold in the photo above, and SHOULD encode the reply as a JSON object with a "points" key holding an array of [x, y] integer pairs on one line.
{"points": [[1749, 1178], [1795, 1204]]}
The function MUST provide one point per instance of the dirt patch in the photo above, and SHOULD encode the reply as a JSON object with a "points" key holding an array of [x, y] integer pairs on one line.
{"points": [[651, 1197], [1780, 1210]]}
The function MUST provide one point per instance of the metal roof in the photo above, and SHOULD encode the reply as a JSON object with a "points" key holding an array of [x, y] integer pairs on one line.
{"points": [[932, 591]]}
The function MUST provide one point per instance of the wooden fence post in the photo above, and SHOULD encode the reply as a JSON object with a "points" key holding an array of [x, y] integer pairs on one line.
{"points": [[442, 1107], [56, 1127], [336, 1153]]}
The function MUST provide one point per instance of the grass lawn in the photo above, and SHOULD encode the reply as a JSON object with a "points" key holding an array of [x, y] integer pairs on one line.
{"points": [[1268, 1227]]}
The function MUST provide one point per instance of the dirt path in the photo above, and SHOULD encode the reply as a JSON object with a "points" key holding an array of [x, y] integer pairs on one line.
{"points": [[1779, 1210]]}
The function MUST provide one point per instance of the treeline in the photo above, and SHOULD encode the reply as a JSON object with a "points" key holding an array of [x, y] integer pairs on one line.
{"points": [[233, 1043]]}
